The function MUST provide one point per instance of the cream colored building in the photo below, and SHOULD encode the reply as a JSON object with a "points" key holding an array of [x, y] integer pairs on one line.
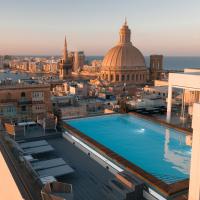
{"points": [[51, 67], [124, 63], [160, 82], [79, 89], [160, 91]]}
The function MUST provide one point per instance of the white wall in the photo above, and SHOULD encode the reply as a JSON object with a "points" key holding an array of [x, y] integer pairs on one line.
{"points": [[8, 187], [194, 189]]}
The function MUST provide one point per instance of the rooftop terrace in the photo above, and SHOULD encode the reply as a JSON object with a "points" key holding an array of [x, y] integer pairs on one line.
{"points": [[90, 180]]}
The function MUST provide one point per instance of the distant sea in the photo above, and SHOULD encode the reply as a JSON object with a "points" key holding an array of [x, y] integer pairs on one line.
{"points": [[169, 62], [4, 74]]}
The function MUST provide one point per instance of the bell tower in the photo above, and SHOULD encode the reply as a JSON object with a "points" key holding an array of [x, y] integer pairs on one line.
{"points": [[156, 67], [65, 68]]}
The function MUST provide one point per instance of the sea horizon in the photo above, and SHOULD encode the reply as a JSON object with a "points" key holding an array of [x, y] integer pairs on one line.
{"points": [[169, 62]]}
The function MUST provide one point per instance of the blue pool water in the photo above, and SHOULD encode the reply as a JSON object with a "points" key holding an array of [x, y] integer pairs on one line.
{"points": [[156, 149]]}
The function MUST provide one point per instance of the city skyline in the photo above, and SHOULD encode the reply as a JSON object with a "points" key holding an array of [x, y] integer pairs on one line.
{"points": [[39, 28], [99, 99]]}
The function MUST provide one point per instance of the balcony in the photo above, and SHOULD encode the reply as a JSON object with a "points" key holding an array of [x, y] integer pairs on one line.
{"points": [[24, 101], [8, 101], [38, 102]]}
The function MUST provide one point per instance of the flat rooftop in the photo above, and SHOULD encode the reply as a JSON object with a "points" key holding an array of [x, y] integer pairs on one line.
{"points": [[23, 85]]}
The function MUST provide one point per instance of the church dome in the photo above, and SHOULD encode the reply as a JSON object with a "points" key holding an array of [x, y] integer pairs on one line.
{"points": [[124, 56]]}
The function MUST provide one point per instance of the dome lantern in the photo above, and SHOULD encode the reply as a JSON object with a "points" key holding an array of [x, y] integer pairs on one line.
{"points": [[125, 34]]}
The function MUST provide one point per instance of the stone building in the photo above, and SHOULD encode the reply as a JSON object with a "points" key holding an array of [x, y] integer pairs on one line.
{"points": [[78, 58], [79, 89], [1, 62], [65, 68], [124, 63], [51, 67], [23, 101], [156, 67]]}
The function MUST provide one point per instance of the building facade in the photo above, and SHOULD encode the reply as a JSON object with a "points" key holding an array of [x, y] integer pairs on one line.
{"points": [[80, 89], [23, 101]]}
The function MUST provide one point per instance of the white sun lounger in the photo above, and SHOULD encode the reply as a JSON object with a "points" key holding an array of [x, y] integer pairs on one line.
{"points": [[33, 144], [45, 164], [37, 150], [56, 171]]}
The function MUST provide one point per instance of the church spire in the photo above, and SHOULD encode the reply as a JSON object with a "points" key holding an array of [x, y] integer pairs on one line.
{"points": [[65, 50], [65, 42]]}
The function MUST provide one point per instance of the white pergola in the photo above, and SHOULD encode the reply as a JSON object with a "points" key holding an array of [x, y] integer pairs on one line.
{"points": [[189, 80]]}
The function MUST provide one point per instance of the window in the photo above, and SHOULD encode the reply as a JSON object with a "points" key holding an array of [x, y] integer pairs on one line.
{"points": [[111, 77], [10, 109], [38, 95], [23, 94], [117, 77], [136, 77], [127, 78], [133, 77], [122, 77], [23, 108]]}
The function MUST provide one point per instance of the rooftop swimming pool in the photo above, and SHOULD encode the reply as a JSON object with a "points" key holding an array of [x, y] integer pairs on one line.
{"points": [[156, 149]]}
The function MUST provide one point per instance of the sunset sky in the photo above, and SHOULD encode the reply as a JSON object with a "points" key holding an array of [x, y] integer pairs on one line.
{"points": [[169, 27]]}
